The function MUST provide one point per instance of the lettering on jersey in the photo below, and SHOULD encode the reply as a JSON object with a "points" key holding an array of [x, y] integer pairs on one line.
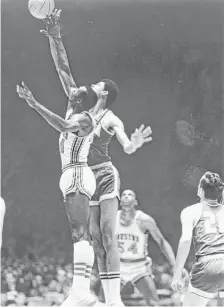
{"points": [[127, 243], [126, 236]]}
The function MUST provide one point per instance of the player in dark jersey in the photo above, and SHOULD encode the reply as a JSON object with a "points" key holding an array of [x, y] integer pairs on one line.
{"points": [[203, 223], [104, 203]]}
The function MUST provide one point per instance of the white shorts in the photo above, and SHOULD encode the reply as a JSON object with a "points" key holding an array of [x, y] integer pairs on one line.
{"points": [[133, 271], [79, 178]]}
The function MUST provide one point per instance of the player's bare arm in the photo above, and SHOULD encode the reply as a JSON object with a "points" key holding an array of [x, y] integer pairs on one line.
{"points": [[58, 52], [78, 121], [187, 222], [137, 139], [148, 224]]}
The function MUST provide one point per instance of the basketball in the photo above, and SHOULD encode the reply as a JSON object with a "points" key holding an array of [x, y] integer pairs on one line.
{"points": [[41, 8]]}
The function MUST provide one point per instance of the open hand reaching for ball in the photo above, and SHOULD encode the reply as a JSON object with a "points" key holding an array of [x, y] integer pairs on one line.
{"points": [[24, 93], [52, 23]]}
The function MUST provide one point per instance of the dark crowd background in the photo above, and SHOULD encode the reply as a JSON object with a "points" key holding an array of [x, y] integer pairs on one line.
{"points": [[167, 60]]}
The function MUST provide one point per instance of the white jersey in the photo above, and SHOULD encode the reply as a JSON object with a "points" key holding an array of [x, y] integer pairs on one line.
{"points": [[74, 149], [132, 242]]}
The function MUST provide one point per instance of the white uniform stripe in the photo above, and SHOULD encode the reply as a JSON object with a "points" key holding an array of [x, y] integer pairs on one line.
{"points": [[71, 187], [76, 150], [72, 149], [82, 185]]}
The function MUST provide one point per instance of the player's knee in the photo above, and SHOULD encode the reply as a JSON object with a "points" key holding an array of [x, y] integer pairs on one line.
{"points": [[79, 232]]}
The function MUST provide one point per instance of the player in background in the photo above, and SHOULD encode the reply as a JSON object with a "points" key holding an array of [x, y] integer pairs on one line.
{"points": [[2, 215], [203, 223], [77, 183], [133, 229], [105, 201]]}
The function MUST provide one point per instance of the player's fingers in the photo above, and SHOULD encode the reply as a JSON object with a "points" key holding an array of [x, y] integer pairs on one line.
{"points": [[59, 14], [54, 16], [20, 89], [149, 139], [147, 131], [44, 32], [26, 87], [141, 128]]}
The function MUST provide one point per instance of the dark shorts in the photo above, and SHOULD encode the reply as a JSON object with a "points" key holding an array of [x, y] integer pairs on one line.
{"points": [[107, 183], [207, 277]]}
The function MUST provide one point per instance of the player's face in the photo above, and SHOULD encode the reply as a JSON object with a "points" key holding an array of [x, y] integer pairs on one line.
{"points": [[98, 88], [128, 200], [84, 98]]}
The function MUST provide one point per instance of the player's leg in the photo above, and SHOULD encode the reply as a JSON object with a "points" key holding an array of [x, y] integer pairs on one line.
{"points": [[147, 288], [108, 214], [78, 212], [204, 282], [99, 249], [77, 209]]}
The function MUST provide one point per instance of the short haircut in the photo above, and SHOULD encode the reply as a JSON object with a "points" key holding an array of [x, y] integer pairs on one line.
{"points": [[212, 185], [112, 89]]}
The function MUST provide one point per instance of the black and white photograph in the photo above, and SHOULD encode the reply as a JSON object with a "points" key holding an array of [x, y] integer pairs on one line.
{"points": [[112, 153]]}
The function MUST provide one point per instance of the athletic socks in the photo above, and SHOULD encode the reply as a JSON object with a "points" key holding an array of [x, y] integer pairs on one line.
{"points": [[80, 257], [111, 287], [114, 287], [105, 285], [89, 257]]}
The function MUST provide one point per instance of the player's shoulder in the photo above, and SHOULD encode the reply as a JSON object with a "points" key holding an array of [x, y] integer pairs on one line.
{"points": [[143, 217], [192, 211], [192, 208], [112, 118]]}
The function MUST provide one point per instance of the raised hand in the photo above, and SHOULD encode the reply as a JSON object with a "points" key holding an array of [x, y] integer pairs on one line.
{"points": [[52, 24], [24, 93], [178, 285], [141, 135]]}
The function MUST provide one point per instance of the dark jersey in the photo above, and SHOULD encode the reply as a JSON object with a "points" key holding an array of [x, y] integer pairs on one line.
{"points": [[99, 148], [208, 233]]}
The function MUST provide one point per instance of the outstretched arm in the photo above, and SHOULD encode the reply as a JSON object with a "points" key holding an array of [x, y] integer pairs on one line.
{"points": [[57, 122], [187, 221], [137, 139], [58, 52], [149, 224]]}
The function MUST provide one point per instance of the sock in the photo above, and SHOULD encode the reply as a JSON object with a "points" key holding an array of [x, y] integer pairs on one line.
{"points": [[79, 260], [114, 287], [105, 285], [89, 265]]}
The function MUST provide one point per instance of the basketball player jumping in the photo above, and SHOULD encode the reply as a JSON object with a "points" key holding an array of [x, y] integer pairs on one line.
{"points": [[77, 183], [133, 228], [203, 223], [104, 203]]}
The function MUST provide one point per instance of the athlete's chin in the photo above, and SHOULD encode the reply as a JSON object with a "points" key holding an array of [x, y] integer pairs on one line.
{"points": [[126, 208]]}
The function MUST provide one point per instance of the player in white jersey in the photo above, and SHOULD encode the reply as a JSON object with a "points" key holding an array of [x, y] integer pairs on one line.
{"points": [[105, 201], [77, 184], [203, 223], [133, 228], [2, 215]]}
